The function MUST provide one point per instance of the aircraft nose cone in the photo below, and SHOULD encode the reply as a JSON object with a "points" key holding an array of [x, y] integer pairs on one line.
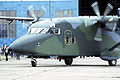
{"points": [[17, 45], [27, 43], [24, 44]]}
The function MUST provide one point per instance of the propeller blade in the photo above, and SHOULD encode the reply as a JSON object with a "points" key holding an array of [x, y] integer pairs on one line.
{"points": [[98, 36], [108, 9], [96, 8], [31, 12]]}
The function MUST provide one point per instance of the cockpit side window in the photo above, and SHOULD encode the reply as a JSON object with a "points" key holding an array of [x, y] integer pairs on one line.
{"points": [[54, 31], [57, 30], [51, 31]]}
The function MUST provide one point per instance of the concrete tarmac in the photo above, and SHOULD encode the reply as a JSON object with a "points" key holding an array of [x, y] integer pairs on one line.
{"points": [[50, 69]]}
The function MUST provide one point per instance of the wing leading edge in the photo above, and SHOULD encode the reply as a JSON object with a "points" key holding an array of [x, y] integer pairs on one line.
{"points": [[17, 18]]}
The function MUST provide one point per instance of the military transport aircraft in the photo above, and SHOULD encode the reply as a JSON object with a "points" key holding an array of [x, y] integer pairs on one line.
{"points": [[68, 38]]}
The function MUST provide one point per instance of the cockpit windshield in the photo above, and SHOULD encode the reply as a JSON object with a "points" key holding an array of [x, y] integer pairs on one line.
{"points": [[44, 30], [44, 27]]}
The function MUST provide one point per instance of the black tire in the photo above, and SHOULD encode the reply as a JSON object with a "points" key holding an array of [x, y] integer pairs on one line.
{"points": [[68, 61], [112, 62], [33, 63]]}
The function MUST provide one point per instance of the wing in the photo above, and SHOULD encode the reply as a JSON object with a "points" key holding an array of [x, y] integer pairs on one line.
{"points": [[17, 18]]}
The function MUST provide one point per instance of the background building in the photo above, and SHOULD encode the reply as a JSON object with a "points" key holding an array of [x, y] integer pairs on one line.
{"points": [[42, 8]]}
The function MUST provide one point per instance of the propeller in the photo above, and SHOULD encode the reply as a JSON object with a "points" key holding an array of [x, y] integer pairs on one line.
{"points": [[101, 22], [31, 13]]}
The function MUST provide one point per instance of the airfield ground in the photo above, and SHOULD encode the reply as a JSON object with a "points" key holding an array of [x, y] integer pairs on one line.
{"points": [[49, 69]]}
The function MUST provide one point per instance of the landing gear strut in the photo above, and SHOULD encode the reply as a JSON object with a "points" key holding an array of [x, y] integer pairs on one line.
{"points": [[112, 62], [33, 62], [68, 61]]}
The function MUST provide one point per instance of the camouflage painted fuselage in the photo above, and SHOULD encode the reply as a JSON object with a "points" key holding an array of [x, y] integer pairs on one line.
{"points": [[76, 38]]}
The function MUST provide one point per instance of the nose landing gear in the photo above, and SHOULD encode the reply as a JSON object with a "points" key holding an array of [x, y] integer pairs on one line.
{"points": [[33, 62]]}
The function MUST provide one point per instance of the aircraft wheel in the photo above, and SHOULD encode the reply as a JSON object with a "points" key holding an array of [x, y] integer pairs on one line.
{"points": [[68, 61], [112, 62], [33, 63]]}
